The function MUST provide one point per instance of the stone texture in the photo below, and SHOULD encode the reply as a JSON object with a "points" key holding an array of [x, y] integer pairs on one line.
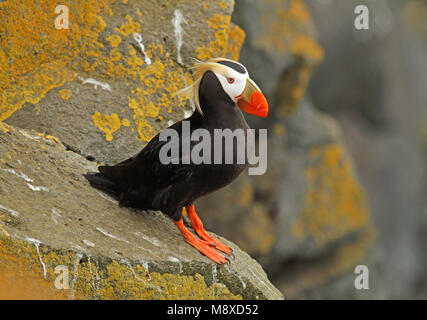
{"points": [[102, 89], [51, 216], [306, 220], [133, 98]]}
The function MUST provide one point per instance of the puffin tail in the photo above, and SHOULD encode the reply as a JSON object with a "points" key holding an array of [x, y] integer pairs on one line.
{"points": [[102, 183]]}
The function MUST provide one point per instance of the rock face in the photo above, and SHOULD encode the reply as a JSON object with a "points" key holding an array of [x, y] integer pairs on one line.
{"points": [[51, 218], [107, 85], [102, 89]]}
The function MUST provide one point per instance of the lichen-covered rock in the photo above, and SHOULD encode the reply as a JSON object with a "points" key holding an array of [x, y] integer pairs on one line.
{"points": [[280, 47], [51, 218], [106, 85]]}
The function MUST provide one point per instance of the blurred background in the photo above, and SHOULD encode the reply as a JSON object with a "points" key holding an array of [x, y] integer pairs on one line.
{"points": [[346, 181]]}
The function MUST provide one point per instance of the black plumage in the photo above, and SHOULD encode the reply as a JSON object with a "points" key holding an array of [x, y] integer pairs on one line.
{"points": [[144, 182]]}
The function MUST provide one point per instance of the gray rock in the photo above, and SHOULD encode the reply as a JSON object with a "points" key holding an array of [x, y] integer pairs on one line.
{"points": [[116, 96], [50, 205]]}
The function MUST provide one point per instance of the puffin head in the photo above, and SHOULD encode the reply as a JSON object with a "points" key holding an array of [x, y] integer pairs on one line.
{"points": [[229, 80]]}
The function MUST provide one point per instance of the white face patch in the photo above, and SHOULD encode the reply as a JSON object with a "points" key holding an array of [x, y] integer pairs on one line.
{"points": [[234, 84]]}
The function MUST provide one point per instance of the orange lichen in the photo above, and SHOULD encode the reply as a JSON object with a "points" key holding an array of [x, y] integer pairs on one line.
{"points": [[35, 56], [49, 137], [224, 4], [218, 47], [85, 51], [4, 127], [23, 276], [125, 122], [65, 94], [298, 12], [106, 123], [20, 279], [115, 55], [288, 30], [130, 27], [114, 40], [294, 87], [304, 45], [161, 81], [335, 204], [236, 37]]}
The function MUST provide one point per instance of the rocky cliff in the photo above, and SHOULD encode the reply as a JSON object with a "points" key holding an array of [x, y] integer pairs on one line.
{"points": [[99, 91], [51, 218]]}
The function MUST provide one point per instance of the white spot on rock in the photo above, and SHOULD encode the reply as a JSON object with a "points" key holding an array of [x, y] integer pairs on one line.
{"points": [[55, 215], [88, 243], [176, 260], [105, 233], [25, 134], [18, 174], [24, 177], [127, 263], [107, 197], [152, 240], [96, 83], [12, 212], [76, 273], [138, 39], [177, 21], [254, 274], [214, 274], [37, 245], [37, 188], [237, 276]]}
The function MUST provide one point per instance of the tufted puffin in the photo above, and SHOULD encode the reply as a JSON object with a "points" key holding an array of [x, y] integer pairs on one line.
{"points": [[221, 89]]}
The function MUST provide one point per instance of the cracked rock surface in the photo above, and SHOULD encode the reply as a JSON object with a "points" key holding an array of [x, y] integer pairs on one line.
{"points": [[50, 216]]}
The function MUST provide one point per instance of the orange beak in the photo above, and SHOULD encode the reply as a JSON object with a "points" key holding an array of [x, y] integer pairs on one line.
{"points": [[252, 101]]}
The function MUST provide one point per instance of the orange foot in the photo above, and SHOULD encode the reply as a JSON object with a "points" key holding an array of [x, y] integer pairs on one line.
{"points": [[201, 232], [204, 247]]}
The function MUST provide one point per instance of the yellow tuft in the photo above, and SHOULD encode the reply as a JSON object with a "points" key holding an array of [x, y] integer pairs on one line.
{"points": [[191, 92]]}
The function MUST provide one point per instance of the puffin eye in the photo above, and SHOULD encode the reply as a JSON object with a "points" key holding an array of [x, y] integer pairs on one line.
{"points": [[230, 80]]}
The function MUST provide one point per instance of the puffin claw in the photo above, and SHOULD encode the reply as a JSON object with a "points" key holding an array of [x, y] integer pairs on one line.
{"points": [[201, 232]]}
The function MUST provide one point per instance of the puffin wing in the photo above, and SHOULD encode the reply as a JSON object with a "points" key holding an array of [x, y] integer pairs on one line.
{"points": [[145, 168]]}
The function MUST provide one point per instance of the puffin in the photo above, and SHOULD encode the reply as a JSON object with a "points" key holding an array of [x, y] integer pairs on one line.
{"points": [[220, 91]]}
